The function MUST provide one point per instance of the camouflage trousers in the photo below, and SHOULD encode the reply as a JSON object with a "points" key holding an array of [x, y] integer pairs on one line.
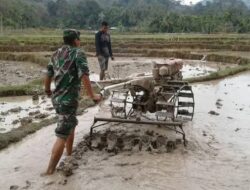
{"points": [[66, 121]]}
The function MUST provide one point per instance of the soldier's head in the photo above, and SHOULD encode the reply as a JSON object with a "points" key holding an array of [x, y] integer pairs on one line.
{"points": [[104, 27], [71, 37]]}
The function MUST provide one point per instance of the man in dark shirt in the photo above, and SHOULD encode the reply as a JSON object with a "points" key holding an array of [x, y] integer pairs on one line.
{"points": [[103, 48]]}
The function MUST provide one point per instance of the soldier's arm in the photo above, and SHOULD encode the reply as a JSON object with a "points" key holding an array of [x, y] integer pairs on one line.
{"points": [[83, 73], [88, 88], [47, 84]]}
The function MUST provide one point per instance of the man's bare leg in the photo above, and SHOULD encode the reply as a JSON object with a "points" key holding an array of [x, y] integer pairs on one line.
{"points": [[69, 143], [57, 152], [102, 74]]}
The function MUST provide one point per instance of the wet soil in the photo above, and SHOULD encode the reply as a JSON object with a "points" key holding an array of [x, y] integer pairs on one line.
{"points": [[16, 73], [120, 68], [217, 155], [22, 110], [125, 67]]}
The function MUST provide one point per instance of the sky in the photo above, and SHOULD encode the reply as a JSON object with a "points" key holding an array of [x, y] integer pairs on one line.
{"points": [[187, 2]]}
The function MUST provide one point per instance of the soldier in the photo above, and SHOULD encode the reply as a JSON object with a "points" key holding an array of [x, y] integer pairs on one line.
{"points": [[68, 66], [103, 48]]}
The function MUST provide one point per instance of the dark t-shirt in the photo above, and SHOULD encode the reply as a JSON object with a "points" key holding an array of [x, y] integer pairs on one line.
{"points": [[103, 44]]}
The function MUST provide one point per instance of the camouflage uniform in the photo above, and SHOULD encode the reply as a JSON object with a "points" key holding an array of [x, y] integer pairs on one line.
{"points": [[67, 66]]}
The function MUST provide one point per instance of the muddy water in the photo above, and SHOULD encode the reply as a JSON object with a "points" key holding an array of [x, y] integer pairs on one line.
{"points": [[196, 70], [27, 108], [26, 160], [217, 157], [120, 68], [22, 72], [24, 105], [14, 73], [124, 67]]}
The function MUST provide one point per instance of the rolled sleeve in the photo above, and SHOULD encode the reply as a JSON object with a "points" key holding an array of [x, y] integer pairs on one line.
{"points": [[50, 69], [82, 64]]}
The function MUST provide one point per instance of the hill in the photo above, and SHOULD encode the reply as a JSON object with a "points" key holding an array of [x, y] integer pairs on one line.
{"points": [[207, 16]]}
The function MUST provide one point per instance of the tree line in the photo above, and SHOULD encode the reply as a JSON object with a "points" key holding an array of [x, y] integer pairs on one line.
{"points": [[208, 16]]}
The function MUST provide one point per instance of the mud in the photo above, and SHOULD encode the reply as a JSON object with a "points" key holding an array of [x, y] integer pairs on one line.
{"points": [[114, 142], [20, 111], [125, 67], [217, 146], [23, 72], [16, 73], [213, 113]]}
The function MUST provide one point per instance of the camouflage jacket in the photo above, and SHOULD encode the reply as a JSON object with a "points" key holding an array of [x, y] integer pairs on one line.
{"points": [[67, 66]]}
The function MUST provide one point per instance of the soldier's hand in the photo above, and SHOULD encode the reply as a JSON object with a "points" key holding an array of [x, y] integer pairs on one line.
{"points": [[112, 58], [97, 98], [48, 93]]}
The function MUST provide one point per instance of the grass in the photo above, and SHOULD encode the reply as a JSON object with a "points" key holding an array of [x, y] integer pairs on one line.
{"points": [[34, 87], [55, 36], [26, 57], [228, 59]]}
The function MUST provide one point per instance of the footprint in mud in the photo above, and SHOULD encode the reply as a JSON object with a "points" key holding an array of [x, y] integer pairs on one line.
{"points": [[236, 130], [28, 184], [213, 113], [14, 187], [67, 166], [127, 164], [204, 133], [16, 169], [219, 104], [127, 178], [109, 176]]}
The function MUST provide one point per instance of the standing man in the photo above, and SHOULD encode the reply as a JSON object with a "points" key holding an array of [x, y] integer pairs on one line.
{"points": [[103, 48], [68, 66]]}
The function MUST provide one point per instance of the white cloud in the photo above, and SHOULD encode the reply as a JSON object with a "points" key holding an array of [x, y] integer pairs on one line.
{"points": [[187, 2]]}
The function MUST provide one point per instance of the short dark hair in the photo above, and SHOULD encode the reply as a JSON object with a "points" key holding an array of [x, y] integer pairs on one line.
{"points": [[104, 23], [70, 35]]}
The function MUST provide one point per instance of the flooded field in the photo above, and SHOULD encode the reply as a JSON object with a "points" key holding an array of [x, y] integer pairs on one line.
{"points": [[16, 111], [24, 72], [217, 156], [124, 67], [16, 73]]}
